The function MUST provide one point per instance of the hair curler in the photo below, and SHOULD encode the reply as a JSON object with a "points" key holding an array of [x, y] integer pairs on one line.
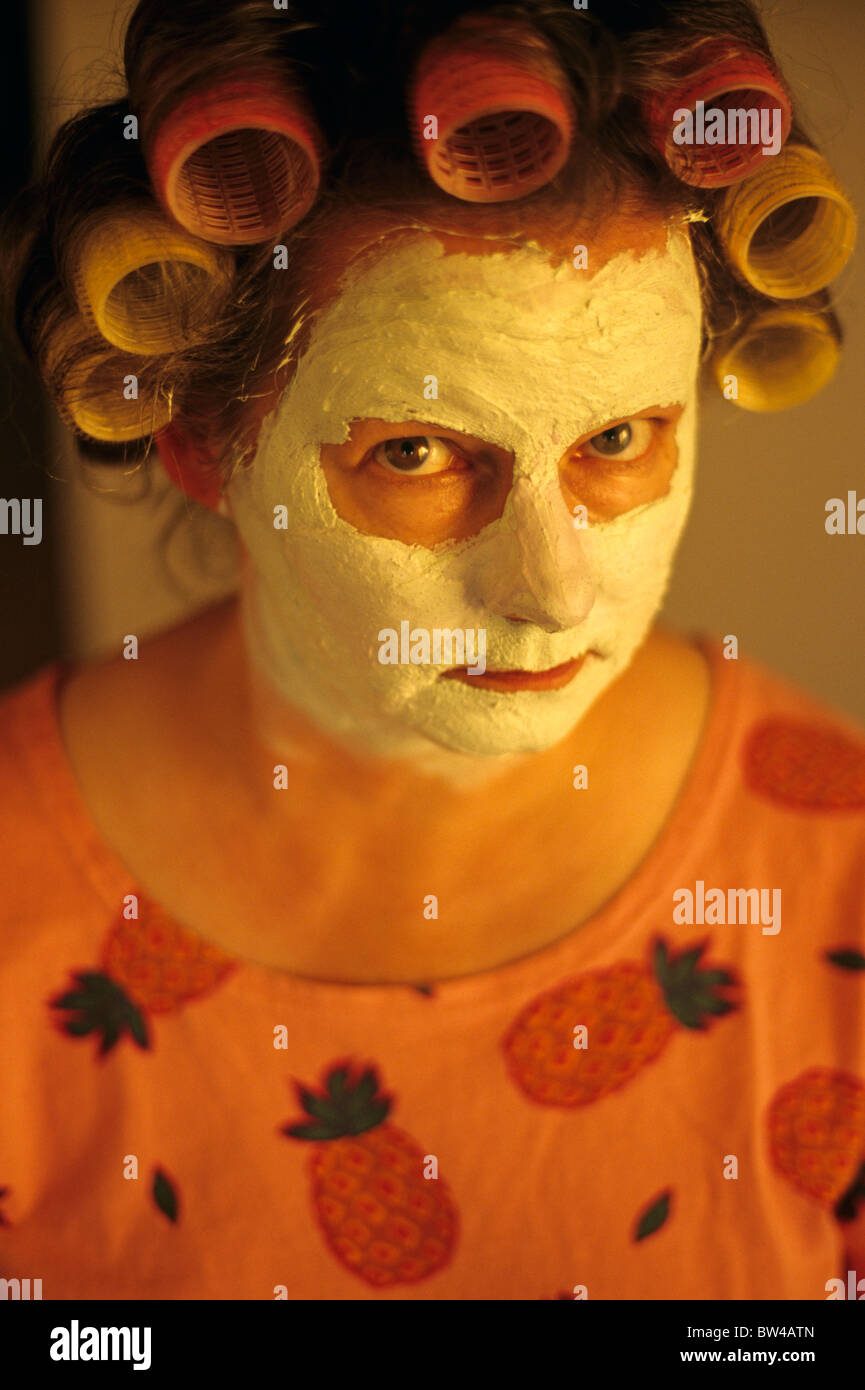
{"points": [[789, 229], [239, 161], [503, 111], [147, 286], [188, 466], [725, 77], [781, 358], [101, 393]]}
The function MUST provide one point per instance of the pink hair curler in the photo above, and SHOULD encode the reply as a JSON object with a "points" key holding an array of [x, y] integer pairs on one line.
{"points": [[505, 117], [188, 466], [724, 77], [239, 161]]}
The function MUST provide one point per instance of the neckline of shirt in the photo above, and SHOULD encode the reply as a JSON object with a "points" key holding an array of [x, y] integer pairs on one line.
{"points": [[606, 934]]}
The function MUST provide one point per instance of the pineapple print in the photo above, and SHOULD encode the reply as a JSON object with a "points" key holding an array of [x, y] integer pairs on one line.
{"points": [[161, 966], [816, 1127], [381, 1218], [149, 966], [807, 767], [631, 1012]]}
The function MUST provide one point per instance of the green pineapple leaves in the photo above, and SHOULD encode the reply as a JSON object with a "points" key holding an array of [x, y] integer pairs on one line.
{"points": [[165, 1195], [99, 1005], [847, 959], [691, 995], [848, 1204], [348, 1107], [654, 1216]]}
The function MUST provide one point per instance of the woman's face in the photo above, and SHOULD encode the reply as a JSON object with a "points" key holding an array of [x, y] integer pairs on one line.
{"points": [[475, 439]]}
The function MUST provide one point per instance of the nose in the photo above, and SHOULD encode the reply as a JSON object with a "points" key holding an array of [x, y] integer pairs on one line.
{"points": [[537, 571]]}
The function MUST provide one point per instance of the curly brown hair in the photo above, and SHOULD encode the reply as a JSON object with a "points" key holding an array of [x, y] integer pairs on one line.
{"points": [[353, 63]]}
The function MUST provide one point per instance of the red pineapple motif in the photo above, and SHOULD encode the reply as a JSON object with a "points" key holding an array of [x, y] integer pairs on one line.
{"points": [[807, 767], [816, 1125], [630, 1011], [382, 1219], [151, 965]]}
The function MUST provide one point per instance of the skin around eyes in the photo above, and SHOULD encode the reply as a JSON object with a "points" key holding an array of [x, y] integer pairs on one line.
{"points": [[452, 504], [462, 483]]}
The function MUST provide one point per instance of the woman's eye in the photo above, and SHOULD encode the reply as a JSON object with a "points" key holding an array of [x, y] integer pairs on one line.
{"points": [[625, 442], [415, 454]]}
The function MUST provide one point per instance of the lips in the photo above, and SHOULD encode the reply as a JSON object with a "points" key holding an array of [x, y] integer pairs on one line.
{"points": [[556, 678]]}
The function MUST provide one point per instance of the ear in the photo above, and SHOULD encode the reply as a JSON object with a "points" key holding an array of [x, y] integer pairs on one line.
{"points": [[190, 465]]}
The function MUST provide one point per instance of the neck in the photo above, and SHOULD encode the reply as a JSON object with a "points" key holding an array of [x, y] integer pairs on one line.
{"points": [[360, 841]]}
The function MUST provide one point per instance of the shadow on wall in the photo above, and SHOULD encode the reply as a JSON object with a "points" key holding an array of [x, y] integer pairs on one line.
{"points": [[29, 619]]}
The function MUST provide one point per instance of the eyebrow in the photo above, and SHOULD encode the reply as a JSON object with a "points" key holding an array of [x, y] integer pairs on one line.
{"points": [[413, 428], [416, 428]]}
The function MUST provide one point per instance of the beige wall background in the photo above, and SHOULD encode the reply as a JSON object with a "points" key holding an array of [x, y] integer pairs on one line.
{"points": [[756, 560]]}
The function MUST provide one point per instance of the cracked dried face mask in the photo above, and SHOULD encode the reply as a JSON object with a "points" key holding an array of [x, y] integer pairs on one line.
{"points": [[530, 358]]}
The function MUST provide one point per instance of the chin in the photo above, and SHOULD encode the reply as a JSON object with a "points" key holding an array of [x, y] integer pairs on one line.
{"points": [[494, 747], [489, 724]]}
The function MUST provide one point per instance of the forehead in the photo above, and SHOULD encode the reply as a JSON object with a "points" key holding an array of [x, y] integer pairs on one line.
{"points": [[505, 343], [357, 238], [556, 232], [483, 250], [437, 270]]}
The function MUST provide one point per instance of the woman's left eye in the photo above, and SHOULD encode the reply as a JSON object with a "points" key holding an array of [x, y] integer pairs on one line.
{"points": [[415, 454], [624, 442]]}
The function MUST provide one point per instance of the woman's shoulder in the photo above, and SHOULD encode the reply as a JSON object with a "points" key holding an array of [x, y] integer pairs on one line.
{"points": [[777, 784], [38, 876], [72, 737], [799, 749], [28, 740], [766, 685], [123, 687], [744, 685]]}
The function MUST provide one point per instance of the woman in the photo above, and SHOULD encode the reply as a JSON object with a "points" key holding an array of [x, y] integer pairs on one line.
{"points": [[426, 922]]}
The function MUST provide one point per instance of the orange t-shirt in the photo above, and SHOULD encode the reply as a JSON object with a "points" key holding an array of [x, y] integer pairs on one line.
{"points": [[618, 1116]]}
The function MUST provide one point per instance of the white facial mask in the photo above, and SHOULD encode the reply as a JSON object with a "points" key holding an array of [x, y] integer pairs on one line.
{"points": [[528, 358]]}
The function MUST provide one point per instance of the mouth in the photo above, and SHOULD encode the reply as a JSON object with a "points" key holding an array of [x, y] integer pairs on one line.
{"points": [[556, 678]]}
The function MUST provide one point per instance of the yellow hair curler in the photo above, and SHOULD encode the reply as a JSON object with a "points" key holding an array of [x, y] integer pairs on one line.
{"points": [[781, 358], [789, 229], [148, 287], [107, 395]]}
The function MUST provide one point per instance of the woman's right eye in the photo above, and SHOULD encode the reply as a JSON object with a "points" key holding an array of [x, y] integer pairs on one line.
{"points": [[415, 454], [626, 442]]}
